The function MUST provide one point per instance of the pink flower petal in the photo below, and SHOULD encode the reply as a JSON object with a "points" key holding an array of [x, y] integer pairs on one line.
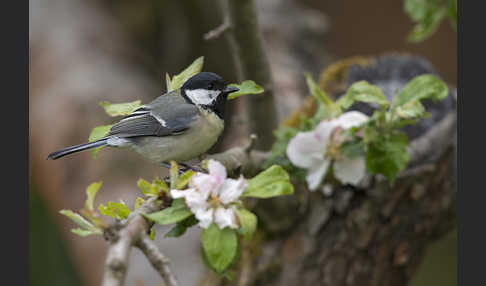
{"points": [[232, 189], [324, 129], [350, 170], [315, 175], [204, 183], [225, 217], [351, 119], [205, 217], [306, 149], [193, 198], [216, 169]]}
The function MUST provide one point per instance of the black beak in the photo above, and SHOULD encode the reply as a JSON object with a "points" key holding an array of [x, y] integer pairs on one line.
{"points": [[230, 89]]}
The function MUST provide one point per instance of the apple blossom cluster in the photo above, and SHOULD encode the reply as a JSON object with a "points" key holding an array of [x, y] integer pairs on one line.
{"points": [[316, 150], [211, 197]]}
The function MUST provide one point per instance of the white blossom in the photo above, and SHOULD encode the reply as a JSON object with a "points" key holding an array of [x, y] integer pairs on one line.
{"points": [[210, 196], [317, 149]]}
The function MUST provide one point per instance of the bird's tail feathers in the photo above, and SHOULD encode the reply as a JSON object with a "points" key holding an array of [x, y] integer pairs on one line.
{"points": [[77, 148]]}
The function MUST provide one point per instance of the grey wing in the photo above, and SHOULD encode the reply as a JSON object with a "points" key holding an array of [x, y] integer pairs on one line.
{"points": [[167, 115]]}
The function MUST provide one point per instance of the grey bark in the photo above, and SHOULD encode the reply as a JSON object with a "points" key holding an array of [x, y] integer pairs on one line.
{"points": [[375, 235], [251, 63]]}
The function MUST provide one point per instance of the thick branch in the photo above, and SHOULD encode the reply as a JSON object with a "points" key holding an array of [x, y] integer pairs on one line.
{"points": [[251, 63], [122, 236]]}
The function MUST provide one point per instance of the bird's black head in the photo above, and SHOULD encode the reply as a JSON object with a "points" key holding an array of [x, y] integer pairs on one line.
{"points": [[208, 90]]}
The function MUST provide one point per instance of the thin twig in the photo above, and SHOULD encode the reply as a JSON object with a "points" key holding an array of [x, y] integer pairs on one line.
{"points": [[157, 259], [251, 144], [218, 31]]}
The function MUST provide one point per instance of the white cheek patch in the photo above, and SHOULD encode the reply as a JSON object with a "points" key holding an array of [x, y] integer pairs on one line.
{"points": [[202, 96]]}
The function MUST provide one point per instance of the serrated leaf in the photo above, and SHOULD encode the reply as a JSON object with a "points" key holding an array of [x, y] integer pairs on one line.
{"points": [[184, 179], [120, 109], [177, 212], [115, 210], [96, 134], [422, 87], [178, 80], [246, 87], [85, 232], [412, 109], [248, 222], [138, 202], [388, 155], [272, 182], [364, 92], [220, 247], [91, 191], [81, 221]]}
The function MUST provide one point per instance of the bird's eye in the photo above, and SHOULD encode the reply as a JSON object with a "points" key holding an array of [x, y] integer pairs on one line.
{"points": [[211, 86]]}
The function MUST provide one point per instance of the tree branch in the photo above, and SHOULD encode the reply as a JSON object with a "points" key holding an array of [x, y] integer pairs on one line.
{"points": [[158, 260], [246, 43], [122, 236], [218, 31]]}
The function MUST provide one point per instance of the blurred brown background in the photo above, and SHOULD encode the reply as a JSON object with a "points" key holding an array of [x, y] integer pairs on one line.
{"points": [[84, 52]]}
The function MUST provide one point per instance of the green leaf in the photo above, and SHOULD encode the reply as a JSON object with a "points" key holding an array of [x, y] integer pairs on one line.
{"points": [[147, 189], [272, 182], [317, 92], [115, 210], [184, 179], [85, 232], [120, 109], [411, 109], [96, 134], [352, 149], [428, 15], [425, 86], [144, 186], [138, 202], [181, 227], [81, 221], [246, 87], [177, 212], [178, 80], [423, 30], [388, 155], [174, 175], [152, 234], [91, 191], [220, 247], [159, 185], [167, 81], [364, 92], [248, 222]]}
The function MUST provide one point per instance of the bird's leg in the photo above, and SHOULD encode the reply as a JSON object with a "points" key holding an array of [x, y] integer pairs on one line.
{"points": [[193, 168], [167, 165], [185, 167]]}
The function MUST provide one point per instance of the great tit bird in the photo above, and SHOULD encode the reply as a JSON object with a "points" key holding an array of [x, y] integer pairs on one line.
{"points": [[179, 125]]}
